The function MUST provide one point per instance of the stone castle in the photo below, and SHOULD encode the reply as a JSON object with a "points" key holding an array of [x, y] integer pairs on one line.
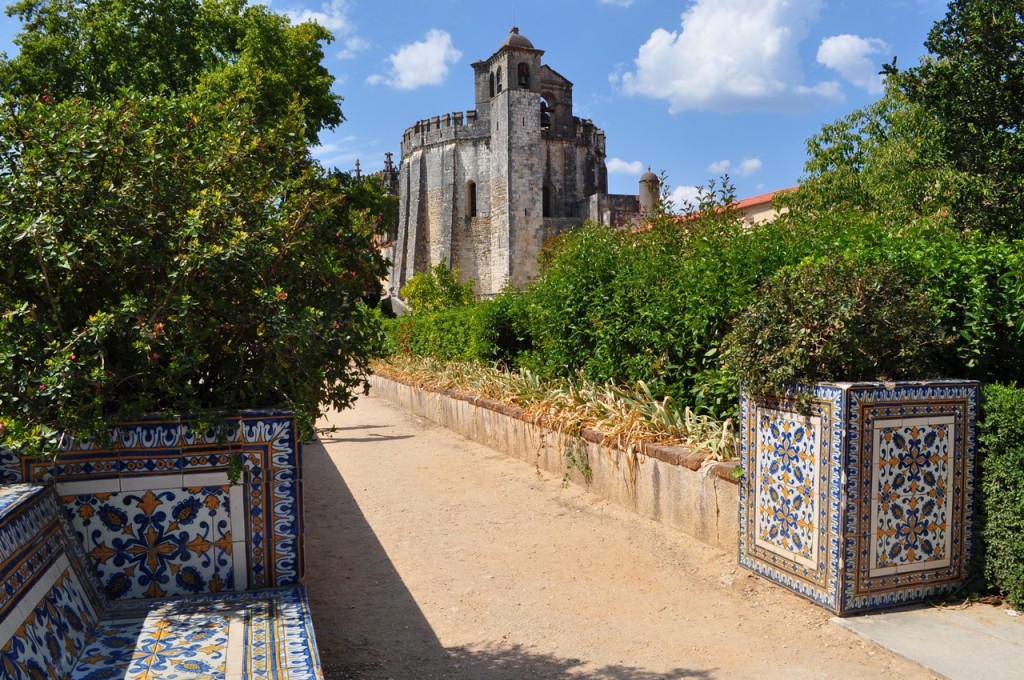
{"points": [[482, 191]]}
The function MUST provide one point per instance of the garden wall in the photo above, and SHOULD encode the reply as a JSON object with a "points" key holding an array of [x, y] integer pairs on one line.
{"points": [[666, 484]]}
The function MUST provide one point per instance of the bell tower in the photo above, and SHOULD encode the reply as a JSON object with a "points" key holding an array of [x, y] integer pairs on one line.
{"points": [[508, 88]]}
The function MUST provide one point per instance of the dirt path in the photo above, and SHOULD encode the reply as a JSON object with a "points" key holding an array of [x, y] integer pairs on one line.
{"points": [[428, 556]]}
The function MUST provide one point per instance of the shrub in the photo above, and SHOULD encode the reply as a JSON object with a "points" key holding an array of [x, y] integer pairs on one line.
{"points": [[436, 289], [1001, 439], [655, 305], [174, 255], [835, 318]]}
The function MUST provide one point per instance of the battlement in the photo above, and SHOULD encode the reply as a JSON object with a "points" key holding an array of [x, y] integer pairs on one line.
{"points": [[441, 128]]}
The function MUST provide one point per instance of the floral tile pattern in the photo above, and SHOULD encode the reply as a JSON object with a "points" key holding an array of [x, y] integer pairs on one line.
{"points": [[786, 491], [126, 505], [913, 464], [53, 635], [894, 472], [157, 543], [48, 599]]}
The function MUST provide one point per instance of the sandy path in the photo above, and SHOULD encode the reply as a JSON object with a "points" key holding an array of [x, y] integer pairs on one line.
{"points": [[428, 556]]}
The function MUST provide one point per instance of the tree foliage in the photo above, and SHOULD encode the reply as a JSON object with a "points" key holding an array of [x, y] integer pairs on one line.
{"points": [[972, 83], [98, 48], [885, 159], [171, 254]]}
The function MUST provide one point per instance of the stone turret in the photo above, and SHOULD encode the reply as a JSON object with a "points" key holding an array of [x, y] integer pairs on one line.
{"points": [[650, 191]]}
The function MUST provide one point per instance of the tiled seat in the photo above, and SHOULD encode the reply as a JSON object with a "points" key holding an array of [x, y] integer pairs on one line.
{"points": [[258, 634], [55, 623]]}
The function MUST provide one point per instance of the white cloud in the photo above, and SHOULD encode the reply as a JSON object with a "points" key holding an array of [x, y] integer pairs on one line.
{"points": [[746, 168], [683, 197], [421, 63], [617, 166], [332, 15], [729, 55], [851, 56], [353, 46], [718, 167], [620, 3]]}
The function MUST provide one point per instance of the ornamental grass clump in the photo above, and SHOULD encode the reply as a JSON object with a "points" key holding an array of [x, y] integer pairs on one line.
{"points": [[626, 416], [172, 254]]}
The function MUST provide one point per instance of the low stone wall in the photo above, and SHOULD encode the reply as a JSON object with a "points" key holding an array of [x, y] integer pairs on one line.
{"points": [[667, 484]]}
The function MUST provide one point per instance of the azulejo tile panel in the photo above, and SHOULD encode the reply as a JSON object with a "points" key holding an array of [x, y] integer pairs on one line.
{"points": [[915, 539], [787, 504], [48, 600], [157, 543], [53, 634], [898, 528], [156, 514]]}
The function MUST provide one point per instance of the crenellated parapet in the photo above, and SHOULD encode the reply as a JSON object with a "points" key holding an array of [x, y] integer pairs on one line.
{"points": [[443, 128], [589, 135]]}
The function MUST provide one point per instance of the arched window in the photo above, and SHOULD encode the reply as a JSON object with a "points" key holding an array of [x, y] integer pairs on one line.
{"points": [[546, 200], [492, 84], [499, 79], [545, 114], [524, 76], [471, 198]]}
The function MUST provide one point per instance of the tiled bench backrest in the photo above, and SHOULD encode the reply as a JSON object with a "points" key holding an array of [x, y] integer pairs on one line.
{"points": [[158, 517], [49, 600]]}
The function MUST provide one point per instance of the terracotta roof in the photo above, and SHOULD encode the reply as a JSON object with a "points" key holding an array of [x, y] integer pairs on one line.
{"points": [[739, 206], [761, 199]]}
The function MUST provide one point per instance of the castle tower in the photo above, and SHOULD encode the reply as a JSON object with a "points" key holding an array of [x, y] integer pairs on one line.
{"points": [[516, 170], [481, 192]]}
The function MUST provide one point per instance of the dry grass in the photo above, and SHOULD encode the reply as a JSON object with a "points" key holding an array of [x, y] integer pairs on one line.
{"points": [[626, 416]]}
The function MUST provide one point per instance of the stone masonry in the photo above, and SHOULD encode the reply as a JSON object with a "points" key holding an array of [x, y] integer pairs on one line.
{"points": [[483, 191]]}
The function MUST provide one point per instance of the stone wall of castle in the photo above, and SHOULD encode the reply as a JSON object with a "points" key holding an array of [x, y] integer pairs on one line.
{"points": [[482, 191]]}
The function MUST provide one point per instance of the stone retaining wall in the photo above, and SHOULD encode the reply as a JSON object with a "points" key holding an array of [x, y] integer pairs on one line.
{"points": [[667, 484]]}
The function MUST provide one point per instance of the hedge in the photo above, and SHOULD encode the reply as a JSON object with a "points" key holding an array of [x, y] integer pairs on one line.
{"points": [[1001, 439]]}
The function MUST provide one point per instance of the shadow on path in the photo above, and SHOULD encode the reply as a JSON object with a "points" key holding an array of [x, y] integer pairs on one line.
{"points": [[368, 624]]}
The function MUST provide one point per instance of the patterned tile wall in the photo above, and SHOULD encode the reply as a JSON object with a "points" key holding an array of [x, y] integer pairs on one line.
{"points": [[898, 529], [54, 624], [48, 600], [158, 517]]}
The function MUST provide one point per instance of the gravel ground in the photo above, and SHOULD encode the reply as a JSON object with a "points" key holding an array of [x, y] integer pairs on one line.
{"points": [[429, 556]]}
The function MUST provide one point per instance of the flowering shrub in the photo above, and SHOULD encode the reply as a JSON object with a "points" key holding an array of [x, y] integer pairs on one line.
{"points": [[174, 255]]}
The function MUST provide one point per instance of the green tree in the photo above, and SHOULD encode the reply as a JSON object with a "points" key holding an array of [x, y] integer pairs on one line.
{"points": [[172, 254], [98, 48], [972, 84], [885, 159]]}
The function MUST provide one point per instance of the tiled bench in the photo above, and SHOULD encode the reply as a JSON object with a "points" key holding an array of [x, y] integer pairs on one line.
{"points": [[56, 623]]}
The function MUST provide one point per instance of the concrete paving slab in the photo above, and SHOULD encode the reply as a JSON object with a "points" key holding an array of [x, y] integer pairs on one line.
{"points": [[968, 642]]}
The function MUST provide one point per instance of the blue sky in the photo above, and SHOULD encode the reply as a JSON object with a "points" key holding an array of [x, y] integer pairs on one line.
{"points": [[692, 88]]}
